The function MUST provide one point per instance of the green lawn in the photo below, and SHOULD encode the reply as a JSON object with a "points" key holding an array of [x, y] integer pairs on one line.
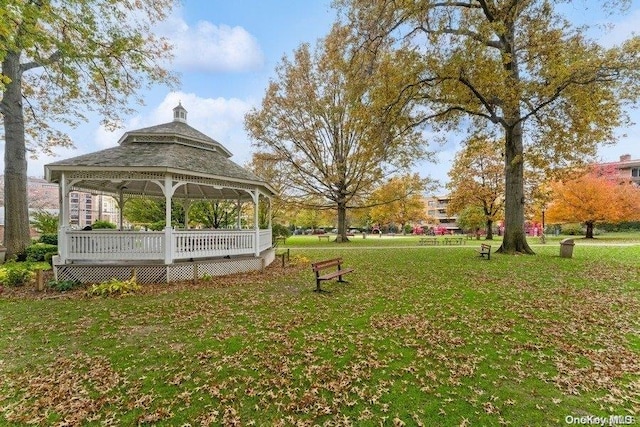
{"points": [[421, 335]]}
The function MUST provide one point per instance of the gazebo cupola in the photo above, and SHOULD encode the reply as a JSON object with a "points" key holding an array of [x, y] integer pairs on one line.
{"points": [[180, 114]]}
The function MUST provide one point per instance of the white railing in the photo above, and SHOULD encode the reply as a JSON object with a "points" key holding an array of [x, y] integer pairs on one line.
{"points": [[114, 245], [189, 244], [265, 239]]}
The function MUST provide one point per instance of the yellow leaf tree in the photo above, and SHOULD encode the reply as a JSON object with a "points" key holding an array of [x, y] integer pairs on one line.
{"points": [[328, 118], [400, 200], [592, 198], [519, 68], [476, 179]]}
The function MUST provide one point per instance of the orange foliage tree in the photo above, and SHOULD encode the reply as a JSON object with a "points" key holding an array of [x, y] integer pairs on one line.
{"points": [[597, 196]]}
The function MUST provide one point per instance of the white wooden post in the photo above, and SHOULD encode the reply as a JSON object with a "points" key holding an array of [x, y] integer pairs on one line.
{"points": [[256, 224], [168, 189], [270, 212], [63, 219]]}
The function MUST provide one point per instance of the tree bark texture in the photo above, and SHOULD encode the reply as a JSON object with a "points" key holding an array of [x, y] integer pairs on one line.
{"points": [[489, 229], [342, 222], [515, 238], [16, 205], [590, 226]]}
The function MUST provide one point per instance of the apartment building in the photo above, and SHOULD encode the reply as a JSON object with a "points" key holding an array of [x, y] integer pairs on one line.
{"points": [[628, 168], [438, 216], [85, 208]]}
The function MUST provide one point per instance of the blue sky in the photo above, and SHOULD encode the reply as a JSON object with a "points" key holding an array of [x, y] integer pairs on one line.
{"points": [[226, 52]]}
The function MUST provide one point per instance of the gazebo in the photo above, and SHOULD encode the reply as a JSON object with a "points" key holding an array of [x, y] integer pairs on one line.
{"points": [[171, 161]]}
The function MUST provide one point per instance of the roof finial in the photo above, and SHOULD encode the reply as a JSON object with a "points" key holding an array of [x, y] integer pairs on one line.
{"points": [[179, 113]]}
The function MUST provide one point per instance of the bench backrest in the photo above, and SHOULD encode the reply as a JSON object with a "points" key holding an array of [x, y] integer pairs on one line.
{"points": [[485, 246], [320, 265]]}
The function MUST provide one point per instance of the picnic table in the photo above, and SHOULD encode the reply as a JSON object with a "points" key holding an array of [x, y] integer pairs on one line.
{"points": [[324, 236], [454, 241], [428, 241]]}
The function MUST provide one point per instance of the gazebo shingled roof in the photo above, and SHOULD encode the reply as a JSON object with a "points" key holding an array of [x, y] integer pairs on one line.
{"points": [[175, 148]]}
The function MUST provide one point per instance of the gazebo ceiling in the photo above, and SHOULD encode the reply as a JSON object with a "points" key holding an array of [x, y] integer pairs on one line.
{"points": [[198, 166]]}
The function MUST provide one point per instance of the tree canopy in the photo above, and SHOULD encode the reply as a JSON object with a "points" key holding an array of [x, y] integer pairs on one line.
{"points": [[476, 179], [596, 196], [60, 61], [400, 200], [517, 67], [329, 121]]}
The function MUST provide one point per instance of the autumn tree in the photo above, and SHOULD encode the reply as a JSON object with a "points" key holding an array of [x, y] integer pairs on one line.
{"points": [[517, 67], [61, 60], [472, 218], [270, 169], [400, 200], [328, 115], [592, 198], [476, 178]]}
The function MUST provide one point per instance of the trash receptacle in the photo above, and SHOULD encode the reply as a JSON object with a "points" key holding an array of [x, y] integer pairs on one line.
{"points": [[566, 248], [364, 235]]}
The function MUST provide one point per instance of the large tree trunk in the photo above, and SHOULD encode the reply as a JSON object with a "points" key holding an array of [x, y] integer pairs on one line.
{"points": [[489, 229], [16, 204], [590, 226], [515, 239], [342, 223]]}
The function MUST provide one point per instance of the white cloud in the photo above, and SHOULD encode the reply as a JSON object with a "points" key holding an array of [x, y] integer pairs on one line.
{"points": [[211, 48], [219, 118]]}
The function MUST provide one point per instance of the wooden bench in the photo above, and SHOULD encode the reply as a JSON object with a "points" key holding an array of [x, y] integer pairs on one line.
{"points": [[485, 251], [317, 268], [281, 239], [324, 236]]}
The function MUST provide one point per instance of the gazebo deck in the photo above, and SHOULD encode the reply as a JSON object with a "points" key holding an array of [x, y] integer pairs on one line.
{"points": [[98, 255]]}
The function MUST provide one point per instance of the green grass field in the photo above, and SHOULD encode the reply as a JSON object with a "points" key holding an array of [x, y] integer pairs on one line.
{"points": [[421, 335]]}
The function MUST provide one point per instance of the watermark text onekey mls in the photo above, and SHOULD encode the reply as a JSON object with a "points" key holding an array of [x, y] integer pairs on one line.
{"points": [[592, 420]]}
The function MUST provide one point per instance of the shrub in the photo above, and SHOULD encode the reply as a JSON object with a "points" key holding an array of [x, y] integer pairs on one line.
{"points": [[280, 230], [48, 258], [45, 222], [572, 229], [49, 239], [63, 285], [38, 251], [16, 274], [114, 287], [101, 224]]}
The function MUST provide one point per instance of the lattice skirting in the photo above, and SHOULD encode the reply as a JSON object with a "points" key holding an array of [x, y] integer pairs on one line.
{"points": [[160, 273]]}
